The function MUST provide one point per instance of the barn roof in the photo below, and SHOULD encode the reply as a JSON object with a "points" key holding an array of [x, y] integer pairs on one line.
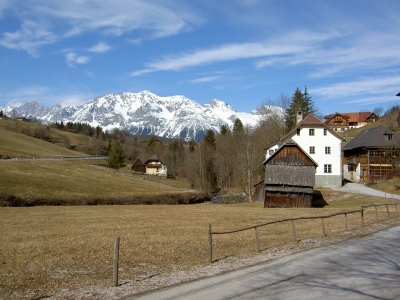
{"points": [[377, 137], [138, 162]]}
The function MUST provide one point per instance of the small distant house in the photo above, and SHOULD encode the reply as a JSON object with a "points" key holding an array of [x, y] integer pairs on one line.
{"points": [[343, 121], [138, 166], [154, 166], [289, 177], [372, 155]]}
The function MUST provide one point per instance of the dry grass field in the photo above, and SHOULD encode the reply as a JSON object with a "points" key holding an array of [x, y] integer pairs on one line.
{"points": [[15, 144], [49, 252], [74, 180]]}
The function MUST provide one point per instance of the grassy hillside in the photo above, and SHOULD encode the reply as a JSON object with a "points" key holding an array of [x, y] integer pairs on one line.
{"points": [[49, 180], [14, 142], [74, 182]]}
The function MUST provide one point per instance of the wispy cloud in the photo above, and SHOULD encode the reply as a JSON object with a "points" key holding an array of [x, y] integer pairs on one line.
{"points": [[73, 59], [204, 79], [46, 24], [367, 86], [100, 48], [30, 37], [25, 94], [46, 96], [288, 45]]}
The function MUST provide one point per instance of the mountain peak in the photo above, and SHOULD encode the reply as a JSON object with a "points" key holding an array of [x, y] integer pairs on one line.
{"points": [[145, 113]]}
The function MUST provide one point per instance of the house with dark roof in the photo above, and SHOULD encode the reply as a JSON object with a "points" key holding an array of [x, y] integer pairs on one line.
{"points": [[371, 155], [289, 177], [154, 166], [344, 121], [322, 144]]}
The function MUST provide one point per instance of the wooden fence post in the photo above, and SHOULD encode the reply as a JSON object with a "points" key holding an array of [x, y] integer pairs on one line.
{"points": [[387, 209], [362, 216], [257, 240], [210, 244], [116, 261], [345, 221], [294, 231], [376, 213], [323, 227]]}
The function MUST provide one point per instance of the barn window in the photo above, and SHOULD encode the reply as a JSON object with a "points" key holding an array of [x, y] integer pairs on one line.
{"points": [[325, 131], [270, 152], [312, 149], [327, 168], [327, 150], [298, 131], [311, 131]]}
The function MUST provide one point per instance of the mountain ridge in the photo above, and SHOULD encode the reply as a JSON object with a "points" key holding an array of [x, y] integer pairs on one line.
{"points": [[144, 113]]}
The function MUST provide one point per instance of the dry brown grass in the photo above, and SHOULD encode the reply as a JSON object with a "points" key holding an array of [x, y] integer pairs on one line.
{"points": [[72, 179], [389, 186], [46, 249], [15, 144]]}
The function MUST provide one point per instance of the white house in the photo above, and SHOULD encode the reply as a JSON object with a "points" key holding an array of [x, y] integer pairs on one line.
{"points": [[322, 144]]}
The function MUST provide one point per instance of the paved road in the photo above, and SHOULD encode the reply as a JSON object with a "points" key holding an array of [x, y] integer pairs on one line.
{"points": [[362, 268], [358, 188]]}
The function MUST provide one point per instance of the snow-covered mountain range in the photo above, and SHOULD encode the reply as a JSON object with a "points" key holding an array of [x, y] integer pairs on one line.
{"points": [[144, 113]]}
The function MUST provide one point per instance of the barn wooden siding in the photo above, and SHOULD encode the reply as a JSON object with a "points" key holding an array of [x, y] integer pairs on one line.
{"points": [[288, 196], [289, 178], [139, 167], [303, 176]]}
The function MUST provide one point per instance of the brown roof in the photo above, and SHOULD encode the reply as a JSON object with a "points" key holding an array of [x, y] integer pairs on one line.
{"points": [[352, 116], [311, 119]]}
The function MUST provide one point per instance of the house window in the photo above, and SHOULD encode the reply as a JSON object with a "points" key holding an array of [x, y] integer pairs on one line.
{"points": [[312, 150], [298, 131], [325, 131], [327, 168], [311, 131], [389, 136], [270, 152], [327, 150]]}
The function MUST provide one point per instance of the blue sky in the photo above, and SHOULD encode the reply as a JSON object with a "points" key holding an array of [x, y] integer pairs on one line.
{"points": [[245, 52]]}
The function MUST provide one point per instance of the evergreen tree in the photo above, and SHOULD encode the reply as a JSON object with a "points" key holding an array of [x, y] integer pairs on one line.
{"points": [[209, 139], [1, 113], [192, 145], [238, 126], [116, 157], [151, 145], [224, 129], [210, 147], [301, 102]]}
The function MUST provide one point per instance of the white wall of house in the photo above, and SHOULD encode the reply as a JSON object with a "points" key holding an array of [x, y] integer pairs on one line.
{"points": [[326, 152], [355, 175]]}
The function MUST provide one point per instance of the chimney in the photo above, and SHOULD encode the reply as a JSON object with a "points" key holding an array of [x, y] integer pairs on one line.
{"points": [[299, 117]]}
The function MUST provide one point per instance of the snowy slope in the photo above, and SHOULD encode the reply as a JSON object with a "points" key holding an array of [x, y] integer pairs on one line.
{"points": [[144, 113]]}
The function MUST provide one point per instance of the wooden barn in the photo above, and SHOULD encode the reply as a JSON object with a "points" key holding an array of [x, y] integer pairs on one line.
{"points": [[289, 177], [139, 166]]}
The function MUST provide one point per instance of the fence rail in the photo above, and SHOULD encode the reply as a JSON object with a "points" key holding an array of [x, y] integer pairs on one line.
{"points": [[292, 220]]}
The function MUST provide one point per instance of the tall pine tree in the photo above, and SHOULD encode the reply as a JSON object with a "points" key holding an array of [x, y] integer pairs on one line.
{"points": [[301, 102], [116, 157]]}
